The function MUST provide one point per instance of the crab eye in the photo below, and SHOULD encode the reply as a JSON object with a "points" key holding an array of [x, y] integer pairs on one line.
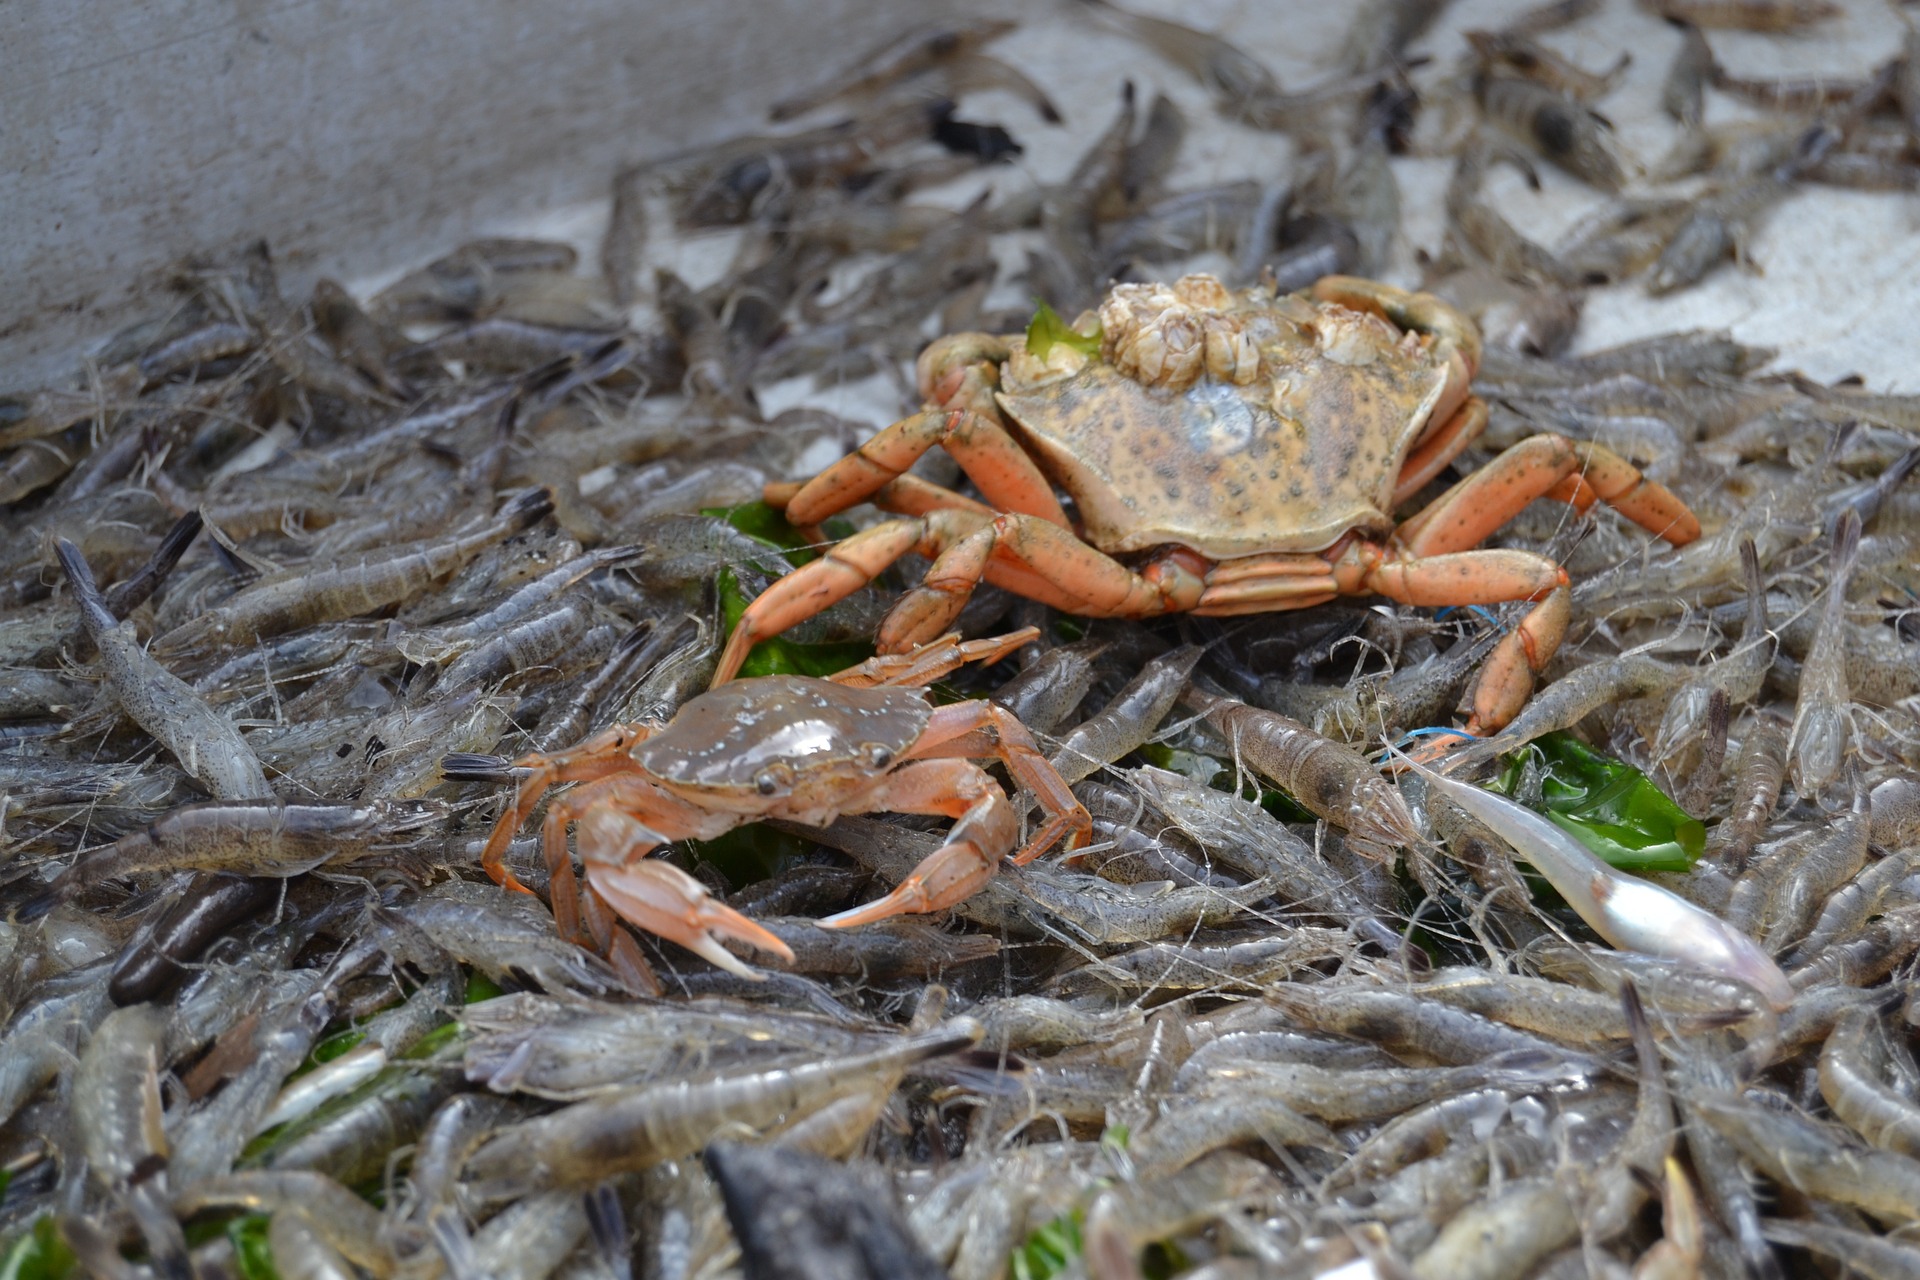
{"points": [[878, 757]]}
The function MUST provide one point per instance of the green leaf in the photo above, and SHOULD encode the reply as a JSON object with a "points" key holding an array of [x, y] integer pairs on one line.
{"points": [[337, 1045], [481, 987], [1048, 328], [40, 1254], [1050, 1248], [251, 1256], [1162, 1260], [751, 853], [437, 1039], [1204, 770], [1610, 807], [758, 520], [780, 656]]}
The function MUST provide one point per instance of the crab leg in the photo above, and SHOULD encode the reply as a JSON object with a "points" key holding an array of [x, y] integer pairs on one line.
{"points": [[1042, 562], [931, 661], [1544, 466], [985, 729], [1488, 576], [1265, 584], [601, 756], [907, 495], [1022, 553], [1434, 451], [939, 778], [912, 496], [842, 570], [601, 932], [991, 458], [958, 869], [612, 941]]}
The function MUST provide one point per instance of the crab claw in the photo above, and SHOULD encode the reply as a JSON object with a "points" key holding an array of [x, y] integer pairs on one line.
{"points": [[667, 902], [947, 877]]}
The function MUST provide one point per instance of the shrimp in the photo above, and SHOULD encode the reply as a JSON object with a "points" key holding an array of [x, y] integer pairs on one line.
{"points": [[203, 909], [1423, 1132], [1236, 80], [1488, 232], [1331, 780], [1728, 1184], [1525, 56], [1105, 914], [1349, 1095], [1407, 1025], [1381, 31], [1849, 907], [343, 1220], [204, 741], [1745, 15], [1812, 1158], [1567, 1014], [1051, 686], [1866, 957], [1564, 131], [37, 464], [1718, 228], [500, 936], [1852, 1071], [1629, 913], [1818, 742], [1737, 676], [912, 53], [116, 1107], [532, 600], [1876, 1257], [1255, 964], [1568, 700], [291, 599], [636, 651], [1129, 720], [630, 1130], [1779, 896], [1248, 838], [1200, 1126], [353, 1144], [1683, 92], [260, 838], [1757, 777]]}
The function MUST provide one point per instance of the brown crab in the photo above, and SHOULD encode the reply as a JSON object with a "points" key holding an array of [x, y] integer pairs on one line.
{"points": [[1226, 453], [784, 746]]}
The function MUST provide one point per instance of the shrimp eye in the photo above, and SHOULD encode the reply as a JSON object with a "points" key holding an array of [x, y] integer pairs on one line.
{"points": [[766, 782], [878, 757]]}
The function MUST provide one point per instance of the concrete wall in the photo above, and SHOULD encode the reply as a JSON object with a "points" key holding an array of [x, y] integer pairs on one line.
{"points": [[356, 135]]}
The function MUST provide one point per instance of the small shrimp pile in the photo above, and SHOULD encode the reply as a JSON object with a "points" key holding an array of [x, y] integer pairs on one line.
{"points": [[1197, 946]]}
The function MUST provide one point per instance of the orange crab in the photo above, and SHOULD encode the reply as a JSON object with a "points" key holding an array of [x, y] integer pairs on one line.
{"points": [[1225, 453], [784, 746]]}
